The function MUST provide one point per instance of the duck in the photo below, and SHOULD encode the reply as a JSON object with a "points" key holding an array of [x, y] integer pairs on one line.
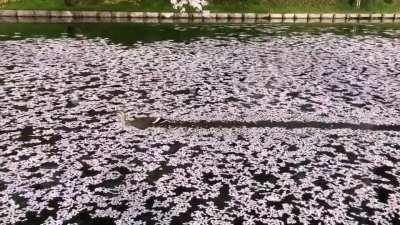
{"points": [[140, 122]]}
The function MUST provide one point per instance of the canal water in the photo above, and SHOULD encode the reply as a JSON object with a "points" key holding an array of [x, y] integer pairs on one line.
{"points": [[114, 124]]}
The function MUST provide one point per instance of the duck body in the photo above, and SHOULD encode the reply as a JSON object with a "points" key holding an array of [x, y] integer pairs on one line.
{"points": [[145, 122], [142, 122]]}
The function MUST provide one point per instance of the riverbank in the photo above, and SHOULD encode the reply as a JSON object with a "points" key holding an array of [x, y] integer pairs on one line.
{"points": [[252, 6], [203, 15]]}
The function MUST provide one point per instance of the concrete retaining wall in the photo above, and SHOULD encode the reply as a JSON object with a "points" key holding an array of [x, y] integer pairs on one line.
{"points": [[12, 19], [202, 16]]}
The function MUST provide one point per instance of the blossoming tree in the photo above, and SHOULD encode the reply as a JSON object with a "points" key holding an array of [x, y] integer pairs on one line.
{"points": [[182, 4]]}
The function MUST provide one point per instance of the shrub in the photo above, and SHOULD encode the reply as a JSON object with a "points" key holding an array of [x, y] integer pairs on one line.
{"points": [[71, 2]]}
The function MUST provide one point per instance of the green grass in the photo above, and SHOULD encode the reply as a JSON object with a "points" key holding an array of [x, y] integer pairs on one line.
{"points": [[277, 6], [145, 5], [298, 6], [219, 5]]}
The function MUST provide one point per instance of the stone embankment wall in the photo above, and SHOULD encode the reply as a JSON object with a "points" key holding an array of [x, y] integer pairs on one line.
{"points": [[307, 17]]}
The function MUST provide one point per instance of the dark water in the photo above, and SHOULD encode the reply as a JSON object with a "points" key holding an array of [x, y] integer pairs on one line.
{"points": [[131, 33], [227, 124]]}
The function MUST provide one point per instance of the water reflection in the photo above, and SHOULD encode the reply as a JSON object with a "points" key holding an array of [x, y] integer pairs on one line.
{"points": [[128, 33]]}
